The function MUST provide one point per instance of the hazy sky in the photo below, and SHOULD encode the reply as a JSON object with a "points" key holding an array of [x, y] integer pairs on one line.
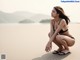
{"points": [[39, 6], [36, 6]]}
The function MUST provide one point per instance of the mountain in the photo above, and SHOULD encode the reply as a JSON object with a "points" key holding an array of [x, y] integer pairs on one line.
{"points": [[39, 17], [19, 16], [26, 21], [24, 14], [45, 21], [9, 18]]}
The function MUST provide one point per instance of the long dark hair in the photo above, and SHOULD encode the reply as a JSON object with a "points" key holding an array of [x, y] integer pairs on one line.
{"points": [[61, 13]]}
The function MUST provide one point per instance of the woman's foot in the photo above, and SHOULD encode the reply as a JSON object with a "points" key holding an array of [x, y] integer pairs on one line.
{"points": [[64, 52], [57, 51]]}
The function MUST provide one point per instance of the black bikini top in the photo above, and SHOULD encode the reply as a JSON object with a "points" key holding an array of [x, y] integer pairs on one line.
{"points": [[61, 31]]}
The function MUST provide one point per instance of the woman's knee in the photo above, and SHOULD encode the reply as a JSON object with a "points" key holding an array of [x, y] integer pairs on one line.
{"points": [[54, 40], [58, 37]]}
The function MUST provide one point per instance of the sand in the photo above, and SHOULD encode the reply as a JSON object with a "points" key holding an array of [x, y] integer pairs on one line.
{"points": [[27, 42]]}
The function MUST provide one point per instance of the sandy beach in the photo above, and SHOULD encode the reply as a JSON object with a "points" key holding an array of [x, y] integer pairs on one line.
{"points": [[27, 42]]}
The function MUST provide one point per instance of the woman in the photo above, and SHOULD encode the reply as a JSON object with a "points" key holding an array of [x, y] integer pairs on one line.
{"points": [[59, 33]]}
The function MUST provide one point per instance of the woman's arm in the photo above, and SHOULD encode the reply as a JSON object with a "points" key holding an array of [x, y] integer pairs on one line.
{"points": [[60, 26], [51, 28]]}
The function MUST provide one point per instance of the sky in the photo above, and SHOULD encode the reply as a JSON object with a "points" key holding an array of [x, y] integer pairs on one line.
{"points": [[40, 6]]}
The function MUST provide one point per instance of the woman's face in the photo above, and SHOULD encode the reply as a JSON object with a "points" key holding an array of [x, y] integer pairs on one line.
{"points": [[54, 13]]}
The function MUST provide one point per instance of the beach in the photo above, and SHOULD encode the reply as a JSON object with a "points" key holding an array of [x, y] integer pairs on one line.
{"points": [[28, 41]]}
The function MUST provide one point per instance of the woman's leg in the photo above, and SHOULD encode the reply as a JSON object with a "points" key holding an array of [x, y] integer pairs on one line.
{"points": [[65, 41], [58, 44]]}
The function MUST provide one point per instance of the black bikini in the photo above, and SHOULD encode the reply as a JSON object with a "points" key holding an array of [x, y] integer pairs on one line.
{"points": [[61, 31]]}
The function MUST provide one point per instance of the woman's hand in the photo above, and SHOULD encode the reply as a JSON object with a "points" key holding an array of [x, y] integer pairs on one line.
{"points": [[48, 46]]}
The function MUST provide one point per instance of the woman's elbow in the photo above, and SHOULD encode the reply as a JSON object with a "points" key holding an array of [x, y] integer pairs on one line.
{"points": [[49, 34]]}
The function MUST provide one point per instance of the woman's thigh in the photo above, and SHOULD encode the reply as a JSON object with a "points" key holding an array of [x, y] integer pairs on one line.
{"points": [[70, 41]]}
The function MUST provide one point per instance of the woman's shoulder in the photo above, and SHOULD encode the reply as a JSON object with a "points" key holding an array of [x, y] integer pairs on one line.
{"points": [[52, 20], [63, 21]]}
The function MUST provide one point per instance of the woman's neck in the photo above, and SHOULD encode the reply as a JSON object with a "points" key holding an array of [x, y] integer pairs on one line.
{"points": [[57, 19]]}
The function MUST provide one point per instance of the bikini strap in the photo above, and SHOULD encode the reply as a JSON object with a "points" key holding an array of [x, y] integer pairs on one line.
{"points": [[59, 22]]}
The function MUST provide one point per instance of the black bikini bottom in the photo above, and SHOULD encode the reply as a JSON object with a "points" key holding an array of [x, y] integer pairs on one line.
{"points": [[69, 36], [72, 37]]}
